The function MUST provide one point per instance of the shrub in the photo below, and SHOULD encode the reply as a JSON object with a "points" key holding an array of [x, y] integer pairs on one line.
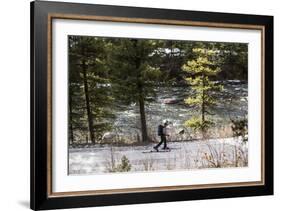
{"points": [[240, 128], [124, 165]]}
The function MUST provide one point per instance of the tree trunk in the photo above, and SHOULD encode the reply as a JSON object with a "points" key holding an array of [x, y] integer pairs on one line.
{"points": [[203, 109], [140, 93], [88, 105], [71, 138], [143, 120]]}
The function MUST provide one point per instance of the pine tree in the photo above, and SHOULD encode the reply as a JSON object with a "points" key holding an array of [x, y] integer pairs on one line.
{"points": [[88, 71], [131, 62], [202, 69], [77, 123]]}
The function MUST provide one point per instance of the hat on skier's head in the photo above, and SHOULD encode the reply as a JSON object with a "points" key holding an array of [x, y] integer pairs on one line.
{"points": [[166, 122]]}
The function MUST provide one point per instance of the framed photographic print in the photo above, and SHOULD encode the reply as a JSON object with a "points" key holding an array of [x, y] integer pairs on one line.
{"points": [[141, 105]]}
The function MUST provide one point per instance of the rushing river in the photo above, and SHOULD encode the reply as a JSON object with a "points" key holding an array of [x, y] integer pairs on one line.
{"points": [[169, 105]]}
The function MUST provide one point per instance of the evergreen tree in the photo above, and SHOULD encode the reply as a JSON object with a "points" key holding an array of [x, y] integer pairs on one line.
{"points": [[131, 62], [202, 69], [76, 110], [173, 54], [88, 58], [233, 60], [77, 123]]}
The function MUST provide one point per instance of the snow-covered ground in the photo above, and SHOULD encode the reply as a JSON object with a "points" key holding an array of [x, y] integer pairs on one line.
{"points": [[227, 152]]}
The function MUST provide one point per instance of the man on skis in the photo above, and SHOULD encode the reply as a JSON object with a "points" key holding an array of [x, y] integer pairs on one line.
{"points": [[162, 132]]}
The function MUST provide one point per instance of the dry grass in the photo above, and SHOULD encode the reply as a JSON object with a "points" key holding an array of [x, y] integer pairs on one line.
{"points": [[218, 157], [148, 164]]}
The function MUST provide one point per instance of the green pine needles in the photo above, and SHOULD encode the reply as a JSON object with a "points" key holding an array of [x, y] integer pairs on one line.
{"points": [[202, 69]]}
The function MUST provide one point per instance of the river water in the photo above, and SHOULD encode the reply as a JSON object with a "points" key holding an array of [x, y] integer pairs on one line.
{"points": [[169, 105]]}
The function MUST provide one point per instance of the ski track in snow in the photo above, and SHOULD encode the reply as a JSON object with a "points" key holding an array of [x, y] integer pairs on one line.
{"points": [[183, 156]]}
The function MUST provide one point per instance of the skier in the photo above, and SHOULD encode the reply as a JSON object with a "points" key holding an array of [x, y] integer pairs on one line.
{"points": [[162, 132]]}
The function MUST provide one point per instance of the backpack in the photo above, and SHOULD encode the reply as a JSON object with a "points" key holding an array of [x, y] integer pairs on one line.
{"points": [[160, 130]]}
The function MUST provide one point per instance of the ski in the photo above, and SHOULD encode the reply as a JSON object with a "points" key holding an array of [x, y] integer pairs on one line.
{"points": [[154, 151]]}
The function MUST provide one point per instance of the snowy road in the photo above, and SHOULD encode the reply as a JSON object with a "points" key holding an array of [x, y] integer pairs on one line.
{"points": [[183, 155]]}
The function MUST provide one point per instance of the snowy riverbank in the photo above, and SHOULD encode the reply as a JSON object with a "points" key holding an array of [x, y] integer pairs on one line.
{"points": [[227, 152]]}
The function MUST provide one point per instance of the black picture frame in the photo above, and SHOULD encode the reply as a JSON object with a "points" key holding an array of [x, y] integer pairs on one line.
{"points": [[40, 112]]}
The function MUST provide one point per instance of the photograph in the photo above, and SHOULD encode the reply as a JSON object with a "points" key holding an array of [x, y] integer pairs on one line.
{"points": [[146, 105], [135, 105]]}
